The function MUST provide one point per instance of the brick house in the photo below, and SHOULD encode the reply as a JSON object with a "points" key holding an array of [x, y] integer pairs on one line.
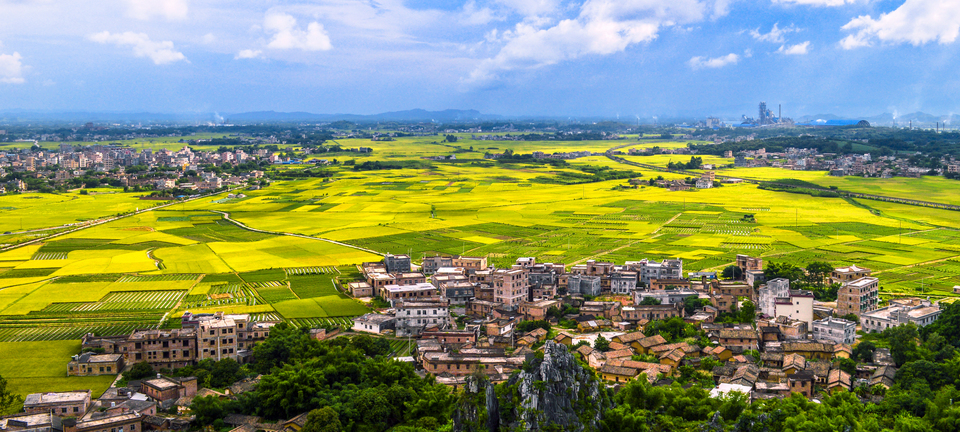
{"points": [[89, 364], [73, 403]]}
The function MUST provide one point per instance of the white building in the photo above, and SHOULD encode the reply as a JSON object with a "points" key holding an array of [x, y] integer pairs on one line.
{"points": [[900, 312], [798, 306], [624, 282], [413, 316], [668, 269], [836, 330], [373, 323], [769, 293]]}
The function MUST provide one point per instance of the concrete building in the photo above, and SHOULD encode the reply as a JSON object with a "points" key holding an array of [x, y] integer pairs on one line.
{"points": [[797, 306], [858, 296], [397, 263], [584, 285], [667, 269], [510, 287], [167, 390], [623, 282], [666, 297], [414, 316], [748, 263], [769, 293], [397, 293], [73, 403], [900, 312], [374, 323], [847, 274], [431, 264], [836, 330], [471, 264]]}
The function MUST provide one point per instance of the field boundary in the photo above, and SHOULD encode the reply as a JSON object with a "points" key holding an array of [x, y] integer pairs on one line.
{"points": [[111, 219], [841, 192], [226, 216]]}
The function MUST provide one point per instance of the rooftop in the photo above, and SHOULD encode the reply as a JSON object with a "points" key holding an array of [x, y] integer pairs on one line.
{"points": [[56, 398]]}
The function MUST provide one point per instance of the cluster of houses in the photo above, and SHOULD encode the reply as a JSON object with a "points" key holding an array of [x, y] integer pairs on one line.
{"points": [[790, 348], [110, 161], [141, 404]]}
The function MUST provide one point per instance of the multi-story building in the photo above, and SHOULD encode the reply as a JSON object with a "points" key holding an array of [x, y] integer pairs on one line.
{"points": [[836, 330], [769, 293], [471, 264], [900, 312], [73, 403], [748, 263], [162, 349], [623, 282], [413, 316], [510, 287], [584, 285], [649, 312], [458, 293], [798, 305], [430, 265], [397, 263], [667, 269], [858, 296], [396, 293], [374, 323], [167, 390], [218, 339], [849, 273]]}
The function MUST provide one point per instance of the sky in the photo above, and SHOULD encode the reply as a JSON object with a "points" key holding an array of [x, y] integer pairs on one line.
{"points": [[608, 58]]}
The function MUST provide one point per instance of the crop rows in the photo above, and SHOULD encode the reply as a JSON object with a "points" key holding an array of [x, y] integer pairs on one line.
{"points": [[302, 271], [49, 333], [263, 317], [44, 256], [159, 278], [343, 322]]}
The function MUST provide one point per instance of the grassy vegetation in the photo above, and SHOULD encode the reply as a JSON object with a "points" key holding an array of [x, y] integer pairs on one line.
{"points": [[31, 367]]}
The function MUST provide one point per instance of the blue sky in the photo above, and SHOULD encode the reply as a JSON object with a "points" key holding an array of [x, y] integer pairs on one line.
{"points": [[520, 57]]}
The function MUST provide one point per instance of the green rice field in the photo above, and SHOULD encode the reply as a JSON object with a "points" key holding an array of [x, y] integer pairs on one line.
{"points": [[137, 271]]}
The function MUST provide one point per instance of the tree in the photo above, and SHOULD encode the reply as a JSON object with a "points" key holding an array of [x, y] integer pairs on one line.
{"points": [[601, 344], [650, 301], [526, 326], [847, 365], [323, 419], [451, 138], [863, 352], [139, 371], [8, 399], [776, 270], [903, 342], [207, 409], [732, 272], [817, 271], [748, 312]]}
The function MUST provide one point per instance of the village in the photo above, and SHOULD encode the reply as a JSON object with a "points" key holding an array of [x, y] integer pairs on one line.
{"points": [[642, 320]]}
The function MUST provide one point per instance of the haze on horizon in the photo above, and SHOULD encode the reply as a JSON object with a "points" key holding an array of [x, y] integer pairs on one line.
{"points": [[510, 57]]}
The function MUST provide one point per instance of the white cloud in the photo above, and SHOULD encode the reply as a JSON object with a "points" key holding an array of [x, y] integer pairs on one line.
{"points": [[208, 38], [169, 9], [11, 68], [532, 8], [916, 22], [286, 35], [817, 2], [602, 27], [713, 63], [775, 35], [798, 49], [473, 15], [248, 54], [161, 52]]}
